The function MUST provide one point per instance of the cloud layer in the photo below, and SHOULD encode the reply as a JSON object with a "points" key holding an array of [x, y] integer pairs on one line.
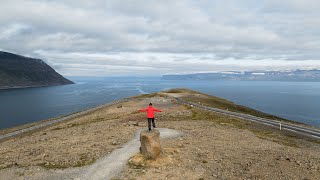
{"points": [[114, 37]]}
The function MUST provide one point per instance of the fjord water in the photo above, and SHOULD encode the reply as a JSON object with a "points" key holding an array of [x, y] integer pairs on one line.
{"points": [[297, 101]]}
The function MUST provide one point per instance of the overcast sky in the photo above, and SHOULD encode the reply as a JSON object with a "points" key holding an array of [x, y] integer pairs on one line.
{"points": [[103, 38]]}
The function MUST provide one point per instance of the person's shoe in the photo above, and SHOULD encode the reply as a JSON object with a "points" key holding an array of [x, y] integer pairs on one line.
{"points": [[154, 126], [149, 130]]}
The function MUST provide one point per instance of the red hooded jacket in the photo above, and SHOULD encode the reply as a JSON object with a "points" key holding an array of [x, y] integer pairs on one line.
{"points": [[150, 111]]}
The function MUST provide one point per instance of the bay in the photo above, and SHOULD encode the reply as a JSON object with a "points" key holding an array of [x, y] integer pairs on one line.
{"points": [[297, 101]]}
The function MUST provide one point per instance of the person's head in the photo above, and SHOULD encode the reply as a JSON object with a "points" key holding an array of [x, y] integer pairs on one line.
{"points": [[150, 104]]}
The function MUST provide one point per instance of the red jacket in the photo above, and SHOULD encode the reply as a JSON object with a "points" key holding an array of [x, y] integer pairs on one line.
{"points": [[150, 111]]}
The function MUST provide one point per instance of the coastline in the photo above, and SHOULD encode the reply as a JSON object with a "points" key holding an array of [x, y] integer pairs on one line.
{"points": [[36, 86], [212, 142], [38, 125]]}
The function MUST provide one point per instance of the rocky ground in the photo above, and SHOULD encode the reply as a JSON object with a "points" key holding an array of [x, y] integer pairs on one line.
{"points": [[213, 146]]}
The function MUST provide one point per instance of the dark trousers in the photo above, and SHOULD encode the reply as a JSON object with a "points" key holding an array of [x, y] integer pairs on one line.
{"points": [[149, 123]]}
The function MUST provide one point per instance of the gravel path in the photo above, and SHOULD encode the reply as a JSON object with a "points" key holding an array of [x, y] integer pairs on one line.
{"points": [[106, 167], [112, 164]]}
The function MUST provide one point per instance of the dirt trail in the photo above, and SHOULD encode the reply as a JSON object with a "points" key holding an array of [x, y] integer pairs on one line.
{"points": [[111, 165], [106, 167]]}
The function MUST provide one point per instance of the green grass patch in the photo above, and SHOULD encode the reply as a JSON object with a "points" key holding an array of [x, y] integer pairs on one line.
{"points": [[84, 160], [287, 140], [217, 102], [212, 101], [199, 114], [144, 96], [53, 166], [93, 120], [181, 90]]}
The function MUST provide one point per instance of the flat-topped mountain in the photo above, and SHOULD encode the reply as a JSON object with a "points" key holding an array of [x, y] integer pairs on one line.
{"points": [[19, 72], [294, 75]]}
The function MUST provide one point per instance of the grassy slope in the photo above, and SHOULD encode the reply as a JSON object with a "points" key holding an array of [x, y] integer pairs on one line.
{"points": [[262, 131], [177, 114], [191, 96], [213, 101]]}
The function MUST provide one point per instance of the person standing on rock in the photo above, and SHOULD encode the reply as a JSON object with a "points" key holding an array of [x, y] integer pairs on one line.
{"points": [[150, 110]]}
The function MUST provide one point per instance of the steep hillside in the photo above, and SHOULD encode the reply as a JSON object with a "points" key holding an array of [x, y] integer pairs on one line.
{"points": [[18, 72]]}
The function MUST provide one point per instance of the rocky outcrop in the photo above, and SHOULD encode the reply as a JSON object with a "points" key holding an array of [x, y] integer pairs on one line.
{"points": [[150, 144], [20, 72]]}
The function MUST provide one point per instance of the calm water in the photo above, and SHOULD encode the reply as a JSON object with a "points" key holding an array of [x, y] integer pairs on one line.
{"points": [[298, 101]]}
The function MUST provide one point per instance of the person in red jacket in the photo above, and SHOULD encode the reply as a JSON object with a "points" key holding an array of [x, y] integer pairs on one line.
{"points": [[150, 110]]}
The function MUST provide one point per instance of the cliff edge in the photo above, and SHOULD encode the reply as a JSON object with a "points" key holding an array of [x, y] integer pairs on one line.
{"points": [[20, 72]]}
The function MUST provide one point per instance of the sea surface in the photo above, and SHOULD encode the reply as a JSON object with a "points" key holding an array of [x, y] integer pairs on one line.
{"points": [[297, 101]]}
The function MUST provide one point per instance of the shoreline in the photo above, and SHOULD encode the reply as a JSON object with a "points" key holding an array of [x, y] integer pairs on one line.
{"points": [[36, 86], [36, 126], [216, 144]]}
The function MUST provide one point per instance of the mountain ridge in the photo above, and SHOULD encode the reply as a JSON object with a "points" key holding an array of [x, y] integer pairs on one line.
{"points": [[18, 71], [294, 75]]}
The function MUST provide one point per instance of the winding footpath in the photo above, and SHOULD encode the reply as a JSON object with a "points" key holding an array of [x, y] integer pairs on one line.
{"points": [[299, 129], [107, 167], [112, 164]]}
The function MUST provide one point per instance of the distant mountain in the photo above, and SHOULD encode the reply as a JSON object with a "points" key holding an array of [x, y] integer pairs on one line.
{"points": [[295, 75], [19, 72]]}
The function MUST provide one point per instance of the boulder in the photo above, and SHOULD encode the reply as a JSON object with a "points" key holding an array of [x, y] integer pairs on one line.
{"points": [[150, 144]]}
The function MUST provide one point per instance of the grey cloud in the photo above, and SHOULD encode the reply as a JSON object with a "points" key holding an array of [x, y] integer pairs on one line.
{"points": [[163, 63], [169, 36], [12, 30]]}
